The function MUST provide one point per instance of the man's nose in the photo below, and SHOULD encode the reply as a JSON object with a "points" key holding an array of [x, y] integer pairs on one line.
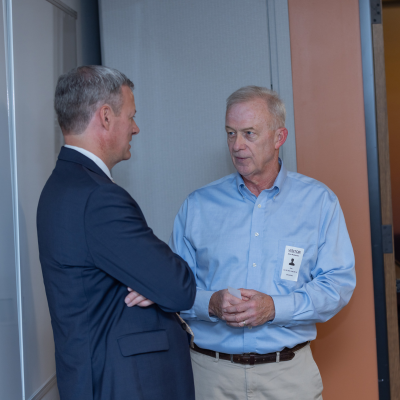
{"points": [[135, 129], [239, 143]]}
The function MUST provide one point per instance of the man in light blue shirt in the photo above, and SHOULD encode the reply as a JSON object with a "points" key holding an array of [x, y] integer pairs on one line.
{"points": [[278, 236]]}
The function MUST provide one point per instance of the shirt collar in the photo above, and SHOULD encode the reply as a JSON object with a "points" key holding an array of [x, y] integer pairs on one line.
{"points": [[279, 181], [98, 161]]}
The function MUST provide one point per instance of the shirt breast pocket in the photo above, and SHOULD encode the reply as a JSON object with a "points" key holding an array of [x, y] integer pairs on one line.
{"points": [[295, 262]]}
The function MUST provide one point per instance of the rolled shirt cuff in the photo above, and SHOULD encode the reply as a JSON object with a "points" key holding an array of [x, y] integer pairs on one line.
{"points": [[201, 305], [284, 309]]}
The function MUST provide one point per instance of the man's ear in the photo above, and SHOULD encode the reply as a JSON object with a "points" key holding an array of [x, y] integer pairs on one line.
{"points": [[106, 115], [280, 137]]}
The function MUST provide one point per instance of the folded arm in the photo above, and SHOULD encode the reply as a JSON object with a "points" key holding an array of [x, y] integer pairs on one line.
{"points": [[136, 299], [121, 244]]}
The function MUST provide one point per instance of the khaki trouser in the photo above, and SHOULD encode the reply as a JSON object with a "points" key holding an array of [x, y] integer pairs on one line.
{"points": [[297, 379]]}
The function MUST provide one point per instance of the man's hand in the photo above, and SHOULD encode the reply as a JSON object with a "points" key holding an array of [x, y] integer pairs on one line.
{"points": [[136, 299], [257, 309], [220, 301]]}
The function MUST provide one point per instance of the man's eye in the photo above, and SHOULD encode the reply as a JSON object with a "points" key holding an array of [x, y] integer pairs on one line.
{"points": [[250, 133], [231, 133]]}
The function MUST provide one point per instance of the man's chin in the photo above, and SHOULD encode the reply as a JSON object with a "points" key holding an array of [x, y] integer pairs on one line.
{"points": [[127, 155], [244, 171]]}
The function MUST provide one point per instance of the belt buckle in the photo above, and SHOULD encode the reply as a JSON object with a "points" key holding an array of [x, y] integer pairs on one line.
{"points": [[251, 356]]}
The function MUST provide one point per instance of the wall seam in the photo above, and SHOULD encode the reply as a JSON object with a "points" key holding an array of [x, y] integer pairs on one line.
{"points": [[9, 56], [270, 45], [281, 75]]}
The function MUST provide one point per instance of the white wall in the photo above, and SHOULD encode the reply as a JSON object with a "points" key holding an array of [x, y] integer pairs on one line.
{"points": [[185, 58]]}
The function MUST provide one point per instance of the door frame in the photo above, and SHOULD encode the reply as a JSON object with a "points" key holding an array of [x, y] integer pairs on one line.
{"points": [[379, 187]]}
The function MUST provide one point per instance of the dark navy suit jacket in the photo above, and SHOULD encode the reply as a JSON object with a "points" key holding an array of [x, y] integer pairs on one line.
{"points": [[93, 243]]}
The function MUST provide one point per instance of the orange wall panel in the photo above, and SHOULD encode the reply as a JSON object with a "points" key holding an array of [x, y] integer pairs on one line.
{"points": [[391, 30], [331, 147]]}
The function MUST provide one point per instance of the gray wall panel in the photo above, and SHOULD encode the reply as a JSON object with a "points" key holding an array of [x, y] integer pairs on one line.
{"points": [[281, 71], [185, 57], [44, 47], [34, 55], [88, 33], [10, 372]]}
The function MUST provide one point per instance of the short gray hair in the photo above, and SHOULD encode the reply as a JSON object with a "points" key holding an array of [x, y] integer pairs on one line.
{"points": [[275, 105], [81, 91]]}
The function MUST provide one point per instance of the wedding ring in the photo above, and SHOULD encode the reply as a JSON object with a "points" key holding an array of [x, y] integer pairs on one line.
{"points": [[244, 324]]}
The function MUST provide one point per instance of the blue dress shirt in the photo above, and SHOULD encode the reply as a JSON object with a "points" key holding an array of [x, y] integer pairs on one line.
{"points": [[230, 237]]}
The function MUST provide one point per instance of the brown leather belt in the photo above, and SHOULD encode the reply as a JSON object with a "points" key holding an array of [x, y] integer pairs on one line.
{"points": [[253, 358]]}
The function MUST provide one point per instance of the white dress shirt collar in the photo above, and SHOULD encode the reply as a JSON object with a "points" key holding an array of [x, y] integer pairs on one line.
{"points": [[98, 161]]}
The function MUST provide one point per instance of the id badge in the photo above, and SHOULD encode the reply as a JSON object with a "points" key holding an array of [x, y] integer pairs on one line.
{"points": [[291, 263]]}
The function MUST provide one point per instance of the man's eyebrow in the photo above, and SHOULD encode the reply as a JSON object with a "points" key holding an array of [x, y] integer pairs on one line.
{"points": [[244, 129]]}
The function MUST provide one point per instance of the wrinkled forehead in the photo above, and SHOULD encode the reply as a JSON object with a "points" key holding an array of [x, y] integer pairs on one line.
{"points": [[253, 111]]}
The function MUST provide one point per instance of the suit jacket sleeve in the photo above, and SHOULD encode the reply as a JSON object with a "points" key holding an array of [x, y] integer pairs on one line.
{"points": [[123, 246]]}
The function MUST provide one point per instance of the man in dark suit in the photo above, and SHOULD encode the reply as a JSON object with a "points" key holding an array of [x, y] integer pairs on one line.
{"points": [[94, 243]]}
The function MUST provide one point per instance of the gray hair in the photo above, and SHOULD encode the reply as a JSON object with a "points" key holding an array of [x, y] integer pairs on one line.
{"points": [[81, 91], [275, 105]]}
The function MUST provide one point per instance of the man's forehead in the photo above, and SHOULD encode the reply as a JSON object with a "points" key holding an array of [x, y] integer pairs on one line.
{"points": [[129, 96], [127, 91], [253, 104], [249, 110]]}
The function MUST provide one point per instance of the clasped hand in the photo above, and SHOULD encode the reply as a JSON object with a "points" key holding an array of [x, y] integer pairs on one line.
{"points": [[136, 299], [254, 309]]}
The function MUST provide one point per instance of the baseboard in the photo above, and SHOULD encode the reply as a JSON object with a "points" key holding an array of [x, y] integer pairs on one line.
{"points": [[39, 394]]}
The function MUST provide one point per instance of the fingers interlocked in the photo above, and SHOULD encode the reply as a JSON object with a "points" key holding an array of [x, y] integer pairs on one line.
{"points": [[257, 309]]}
